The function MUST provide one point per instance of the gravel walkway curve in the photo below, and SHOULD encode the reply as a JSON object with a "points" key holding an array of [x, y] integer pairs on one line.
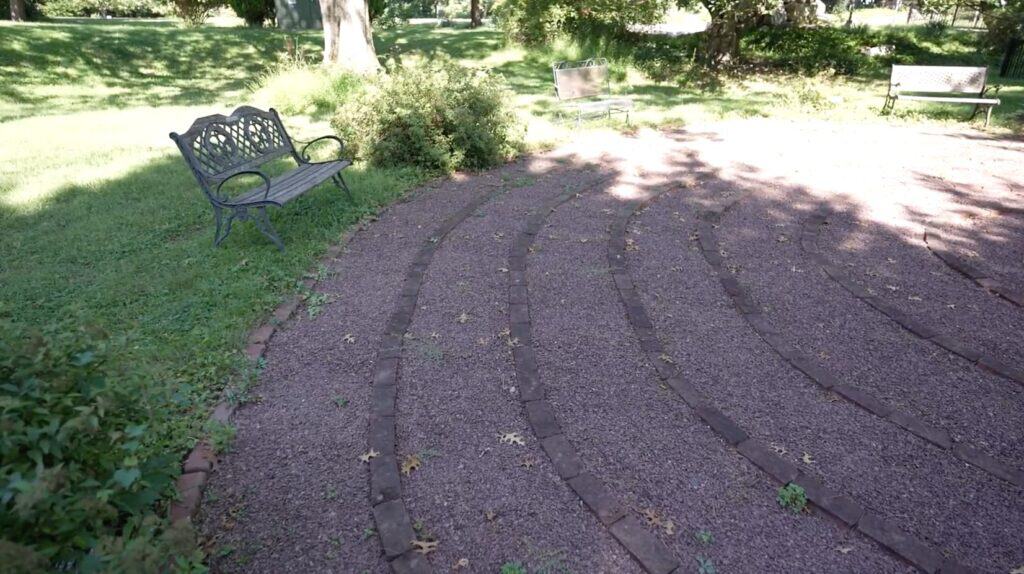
{"points": [[609, 357]]}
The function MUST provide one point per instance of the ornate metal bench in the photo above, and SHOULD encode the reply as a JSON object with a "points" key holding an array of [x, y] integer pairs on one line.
{"points": [[942, 80], [219, 148], [583, 88]]}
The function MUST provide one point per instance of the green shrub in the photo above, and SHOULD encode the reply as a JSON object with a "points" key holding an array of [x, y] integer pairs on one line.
{"points": [[812, 50], [792, 497], [195, 12], [254, 12], [116, 8], [296, 88], [78, 480], [434, 115]]}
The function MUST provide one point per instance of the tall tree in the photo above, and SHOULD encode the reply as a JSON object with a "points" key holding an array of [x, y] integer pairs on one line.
{"points": [[18, 10], [348, 38], [474, 13]]}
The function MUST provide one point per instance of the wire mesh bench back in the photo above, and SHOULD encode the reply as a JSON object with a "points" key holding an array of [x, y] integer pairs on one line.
{"points": [[585, 79], [217, 147], [939, 79]]}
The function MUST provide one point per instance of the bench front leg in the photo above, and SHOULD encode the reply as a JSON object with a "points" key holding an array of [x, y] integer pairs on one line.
{"points": [[340, 182], [262, 221], [223, 224]]}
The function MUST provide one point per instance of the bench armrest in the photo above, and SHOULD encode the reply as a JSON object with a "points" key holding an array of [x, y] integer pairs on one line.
{"points": [[266, 189], [305, 156], [993, 89]]}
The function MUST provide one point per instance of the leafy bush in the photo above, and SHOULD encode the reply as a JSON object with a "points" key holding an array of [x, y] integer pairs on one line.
{"points": [[434, 115], [254, 12], [116, 8], [195, 12], [1004, 24], [297, 88], [812, 49], [78, 481], [792, 497]]}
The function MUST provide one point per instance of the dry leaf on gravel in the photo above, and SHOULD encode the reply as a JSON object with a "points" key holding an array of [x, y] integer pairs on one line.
{"points": [[411, 463], [807, 459], [366, 457], [463, 318], [1017, 570], [348, 338], [651, 517], [490, 515], [631, 245], [914, 298], [511, 438], [425, 546], [670, 527], [782, 239], [462, 563], [528, 462], [503, 269], [892, 287], [848, 549], [778, 449]]}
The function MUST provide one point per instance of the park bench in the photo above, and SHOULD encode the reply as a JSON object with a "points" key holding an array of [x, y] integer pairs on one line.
{"points": [[220, 148], [582, 88], [922, 83]]}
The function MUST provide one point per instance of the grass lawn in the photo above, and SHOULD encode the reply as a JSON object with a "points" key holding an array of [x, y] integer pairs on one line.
{"points": [[104, 225]]}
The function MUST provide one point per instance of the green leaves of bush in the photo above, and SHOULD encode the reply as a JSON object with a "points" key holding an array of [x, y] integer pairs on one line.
{"points": [[433, 115], [75, 473]]}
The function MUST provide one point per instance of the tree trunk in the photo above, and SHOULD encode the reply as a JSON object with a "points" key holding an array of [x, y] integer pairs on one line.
{"points": [[18, 10], [722, 44], [348, 40], [474, 13]]}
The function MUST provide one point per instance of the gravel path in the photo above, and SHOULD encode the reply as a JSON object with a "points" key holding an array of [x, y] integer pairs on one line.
{"points": [[293, 496]]}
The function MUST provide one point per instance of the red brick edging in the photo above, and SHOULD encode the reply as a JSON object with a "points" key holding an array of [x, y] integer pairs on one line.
{"points": [[647, 549], [836, 504], [938, 246], [201, 460]]}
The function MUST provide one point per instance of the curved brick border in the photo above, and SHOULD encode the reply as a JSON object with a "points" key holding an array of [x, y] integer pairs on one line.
{"points": [[809, 244], [938, 246], [645, 547], [201, 460], [394, 527], [840, 506], [828, 379]]}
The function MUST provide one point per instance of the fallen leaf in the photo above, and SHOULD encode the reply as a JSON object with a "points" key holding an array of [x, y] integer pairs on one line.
{"points": [[463, 318], [807, 458], [1017, 570], [499, 235], [503, 269], [914, 298], [528, 462], [670, 527], [848, 549], [348, 338], [892, 287], [411, 463], [462, 563], [511, 438], [366, 457], [651, 517], [631, 244], [425, 546], [490, 515], [782, 239], [778, 449]]}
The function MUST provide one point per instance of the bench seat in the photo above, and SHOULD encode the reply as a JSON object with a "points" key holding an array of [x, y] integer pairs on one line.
{"points": [[296, 182], [979, 101], [583, 88]]}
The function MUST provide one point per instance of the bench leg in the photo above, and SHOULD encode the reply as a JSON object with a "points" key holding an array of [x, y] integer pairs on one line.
{"points": [[340, 182], [262, 221], [988, 115], [223, 224]]}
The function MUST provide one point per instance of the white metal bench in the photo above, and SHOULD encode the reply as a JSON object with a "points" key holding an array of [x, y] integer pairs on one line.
{"points": [[583, 89], [923, 83]]}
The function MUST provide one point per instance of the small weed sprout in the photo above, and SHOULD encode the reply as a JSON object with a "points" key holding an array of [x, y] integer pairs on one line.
{"points": [[220, 436], [792, 497]]}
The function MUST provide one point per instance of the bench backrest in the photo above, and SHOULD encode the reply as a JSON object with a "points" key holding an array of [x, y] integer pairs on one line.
{"points": [[939, 79], [217, 147], [574, 80]]}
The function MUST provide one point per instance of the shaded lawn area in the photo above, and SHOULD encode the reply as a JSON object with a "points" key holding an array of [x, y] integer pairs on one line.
{"points": [[104, 225]]}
